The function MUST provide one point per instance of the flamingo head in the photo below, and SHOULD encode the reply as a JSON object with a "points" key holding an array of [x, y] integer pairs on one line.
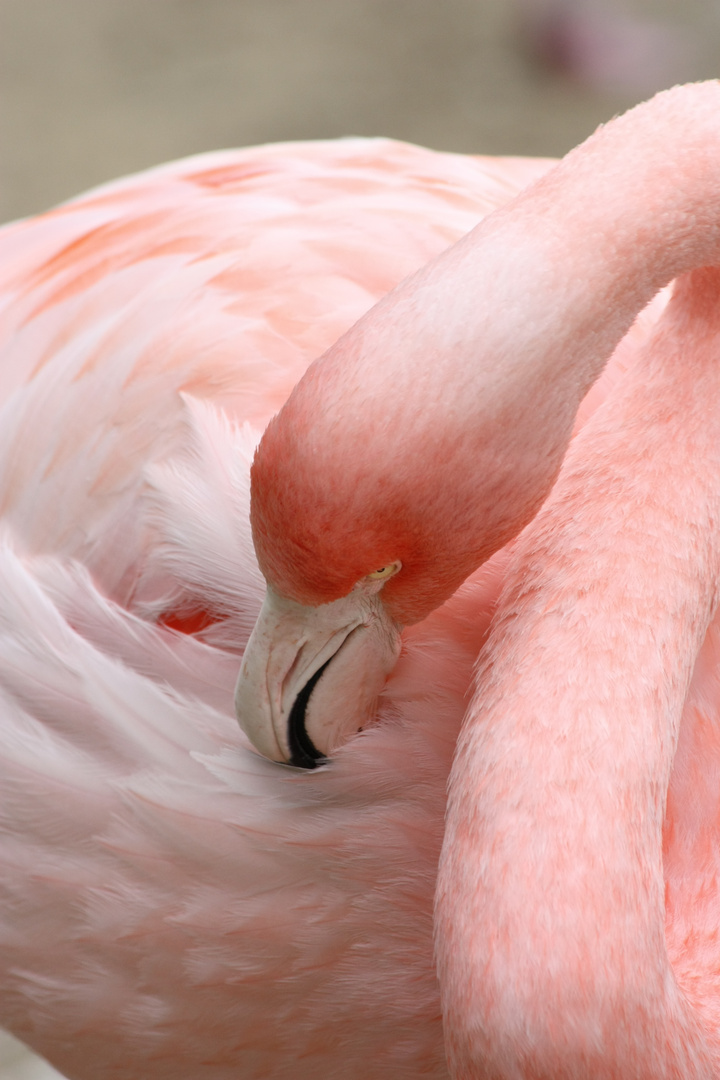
{"points": [[365, 518]]}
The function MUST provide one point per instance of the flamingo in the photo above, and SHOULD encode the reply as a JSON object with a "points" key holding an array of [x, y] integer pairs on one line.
{"points": [[173, 903]]}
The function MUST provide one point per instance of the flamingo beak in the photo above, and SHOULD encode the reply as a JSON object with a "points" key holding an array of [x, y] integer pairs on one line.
{"points": [[311, 676]]}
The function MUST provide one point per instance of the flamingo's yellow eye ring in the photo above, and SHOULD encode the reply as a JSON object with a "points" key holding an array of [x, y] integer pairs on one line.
{"points": [[385, 571]]}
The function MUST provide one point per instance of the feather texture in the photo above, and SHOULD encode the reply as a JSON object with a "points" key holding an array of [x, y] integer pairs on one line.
{"points": [[172, 905]]}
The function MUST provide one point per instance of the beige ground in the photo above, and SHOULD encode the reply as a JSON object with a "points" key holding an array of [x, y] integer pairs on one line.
{"points": [[91, 89]]}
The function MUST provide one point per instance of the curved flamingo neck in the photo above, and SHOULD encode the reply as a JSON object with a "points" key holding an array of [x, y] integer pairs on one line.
{"points": [[433, 430], [550, 908]]}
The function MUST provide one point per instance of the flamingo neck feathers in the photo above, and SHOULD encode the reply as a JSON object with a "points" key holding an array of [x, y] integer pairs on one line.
{"points": [[551, 885], [433, 430]]}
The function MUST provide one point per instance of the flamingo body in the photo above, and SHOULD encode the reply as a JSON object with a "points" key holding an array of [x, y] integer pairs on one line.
{"points": [[168, 283], [171, 905]]}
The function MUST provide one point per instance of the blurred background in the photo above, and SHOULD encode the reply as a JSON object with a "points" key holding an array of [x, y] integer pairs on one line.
{"points": [[93, 89]]}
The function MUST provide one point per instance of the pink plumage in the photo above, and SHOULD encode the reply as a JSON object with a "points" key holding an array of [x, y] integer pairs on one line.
{"points": [[173, 904]]}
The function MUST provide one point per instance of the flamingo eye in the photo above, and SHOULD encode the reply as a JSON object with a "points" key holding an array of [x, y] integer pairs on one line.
{"points": [[385, 571]]}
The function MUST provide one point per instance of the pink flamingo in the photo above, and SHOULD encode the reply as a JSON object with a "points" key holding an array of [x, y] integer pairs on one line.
{"points": [[173, 905]]}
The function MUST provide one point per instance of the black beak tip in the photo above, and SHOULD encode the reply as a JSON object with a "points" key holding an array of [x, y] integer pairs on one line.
{"points": [[303, 753]]}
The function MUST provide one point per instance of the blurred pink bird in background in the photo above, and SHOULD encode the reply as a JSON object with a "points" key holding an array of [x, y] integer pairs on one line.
{"points": [[614, 47], [172, 904]]}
